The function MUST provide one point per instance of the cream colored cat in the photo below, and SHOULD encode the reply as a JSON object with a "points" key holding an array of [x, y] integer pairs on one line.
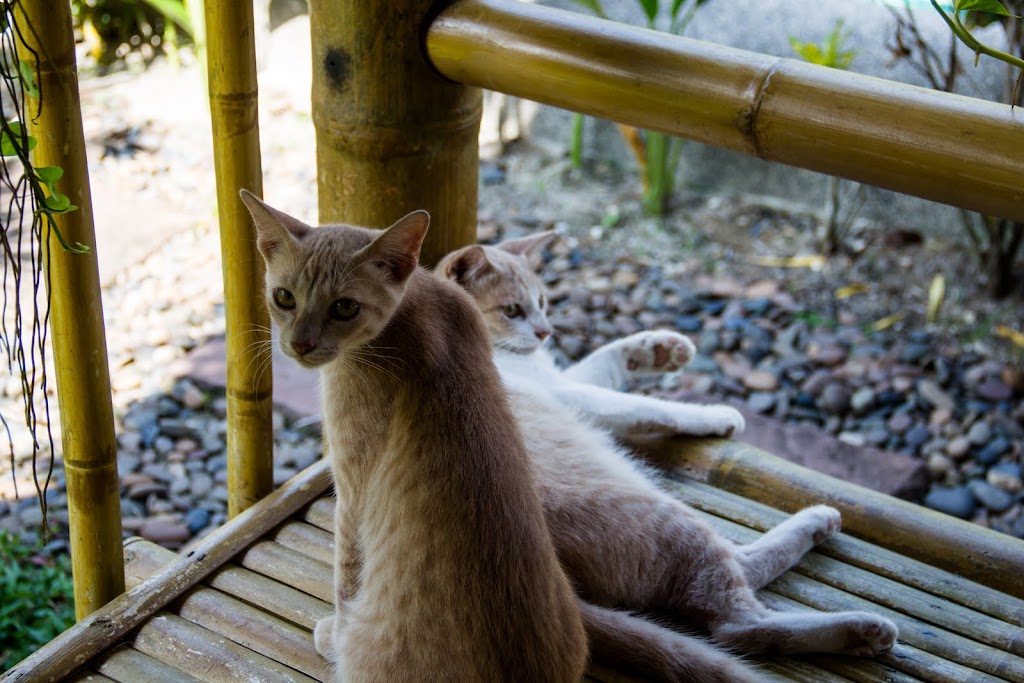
{"points": [[444, 567], [624, 542]]}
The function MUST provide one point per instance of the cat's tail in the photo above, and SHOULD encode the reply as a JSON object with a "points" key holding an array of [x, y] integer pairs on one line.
{"points": [[637, 645]]}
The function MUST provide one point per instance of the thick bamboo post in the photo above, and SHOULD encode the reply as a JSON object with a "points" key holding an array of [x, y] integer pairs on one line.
{"points": [[76, 314], [947, 148], [392, 135], [231, 59]]}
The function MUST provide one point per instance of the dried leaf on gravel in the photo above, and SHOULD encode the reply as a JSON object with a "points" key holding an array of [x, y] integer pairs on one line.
{"points": [[852, 290], [1006, 332]]}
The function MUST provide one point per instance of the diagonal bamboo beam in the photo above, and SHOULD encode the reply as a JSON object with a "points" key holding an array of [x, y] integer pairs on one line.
{"points": [[76, 313], [947, 148], [231, 70], [391, 134]]}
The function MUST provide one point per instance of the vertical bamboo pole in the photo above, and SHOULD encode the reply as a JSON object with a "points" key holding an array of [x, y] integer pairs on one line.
{"points": [[76, 314], [231, 58], [392, 134]]}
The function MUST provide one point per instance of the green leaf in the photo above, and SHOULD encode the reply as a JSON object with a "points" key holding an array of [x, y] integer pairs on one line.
{"points": [[174, 10], [676, 6], [650, 9], [58, 203], [594, 6], [48, 175], [991, 6], [808, 51], [10, 142], [28, 78]]}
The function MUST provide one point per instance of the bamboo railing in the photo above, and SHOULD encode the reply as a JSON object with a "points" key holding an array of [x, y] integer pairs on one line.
{"points": [[947, 148], [231, 60], [76, 314]]}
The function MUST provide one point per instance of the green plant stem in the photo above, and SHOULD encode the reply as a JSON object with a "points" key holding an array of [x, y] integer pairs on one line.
{"points": [[976, 46], [659, 175]]}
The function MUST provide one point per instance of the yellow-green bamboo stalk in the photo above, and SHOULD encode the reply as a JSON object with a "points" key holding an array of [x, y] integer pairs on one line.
{"points": [[231, 74], [947, 148], [392, 135], [76, 314]]}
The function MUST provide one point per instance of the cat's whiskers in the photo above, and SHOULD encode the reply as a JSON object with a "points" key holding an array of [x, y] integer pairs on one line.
{"points": [[364, 359]]}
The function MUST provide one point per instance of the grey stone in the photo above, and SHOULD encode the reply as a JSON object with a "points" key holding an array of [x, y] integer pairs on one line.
{"points": [[158, 471], [31, 515], [761, 401], [957, 501], [816, 383], [1006, 476], [196, 519], [900, 423], [283, 474], [917, 436], [991, 452], [201, 484], [934, 395], [163, 444], [127, 462], [993, 498], [862, 400], [979, 434], [958, 447], [165, 532], [760, 380], [940, 465], [914, 352], [834, 398], [995, 390]]}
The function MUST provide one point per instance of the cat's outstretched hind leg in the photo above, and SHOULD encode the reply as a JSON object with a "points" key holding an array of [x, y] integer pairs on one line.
{"points": [[783, 546], [783, 633]]}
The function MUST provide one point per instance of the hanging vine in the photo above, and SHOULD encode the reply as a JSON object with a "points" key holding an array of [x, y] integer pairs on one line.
{"points": [[30, 201]]}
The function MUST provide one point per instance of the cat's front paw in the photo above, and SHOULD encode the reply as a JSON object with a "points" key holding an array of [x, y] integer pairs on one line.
{"points": [[724, 421], [657, 351], [328, 635], [822, 522]]}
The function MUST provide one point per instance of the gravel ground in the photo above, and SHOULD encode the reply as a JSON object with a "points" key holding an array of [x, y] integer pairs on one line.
{"points": [[789, 342]]}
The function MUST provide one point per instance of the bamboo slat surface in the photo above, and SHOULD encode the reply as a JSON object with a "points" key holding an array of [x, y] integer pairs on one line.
{"points": [[251, 616], [958, 547]]}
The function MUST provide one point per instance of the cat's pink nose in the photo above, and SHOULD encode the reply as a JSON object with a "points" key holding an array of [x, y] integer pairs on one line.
{"points": [[302, 347], [542, 334]]}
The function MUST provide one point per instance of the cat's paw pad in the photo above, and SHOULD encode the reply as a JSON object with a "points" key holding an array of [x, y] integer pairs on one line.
{"points": [[870, 635], [657, 351], [822, 521]]}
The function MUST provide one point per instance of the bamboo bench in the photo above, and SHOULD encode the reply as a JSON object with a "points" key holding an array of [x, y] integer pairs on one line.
{"points": [[241, 605]]}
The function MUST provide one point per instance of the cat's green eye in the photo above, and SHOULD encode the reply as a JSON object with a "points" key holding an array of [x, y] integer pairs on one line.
{"points": [[344, 309], [284, 298], [513, 311]]}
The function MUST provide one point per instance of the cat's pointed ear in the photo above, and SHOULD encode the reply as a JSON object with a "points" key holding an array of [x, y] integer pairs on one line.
{"points": [[531, 246], [275, 230], [397, 249], [465, 264]]}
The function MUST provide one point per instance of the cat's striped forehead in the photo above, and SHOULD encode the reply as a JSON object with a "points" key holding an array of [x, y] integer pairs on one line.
{"points": [[325, 255]]}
